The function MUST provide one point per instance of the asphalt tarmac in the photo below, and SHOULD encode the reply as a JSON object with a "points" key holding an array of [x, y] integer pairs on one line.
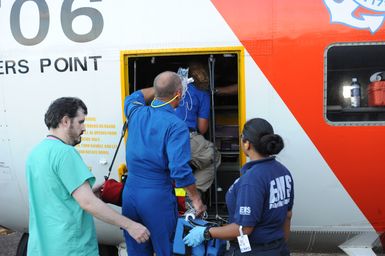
{"points": [[9, 242]]}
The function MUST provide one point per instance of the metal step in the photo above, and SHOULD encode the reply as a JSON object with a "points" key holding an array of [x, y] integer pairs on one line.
{"points": [[361, 244]]}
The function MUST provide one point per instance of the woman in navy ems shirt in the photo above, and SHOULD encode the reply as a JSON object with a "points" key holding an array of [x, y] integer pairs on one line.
{"points": [[260, 202]]}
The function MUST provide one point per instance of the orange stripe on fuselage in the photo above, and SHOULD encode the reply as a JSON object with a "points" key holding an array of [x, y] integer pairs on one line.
{"points": [[299, 32]]}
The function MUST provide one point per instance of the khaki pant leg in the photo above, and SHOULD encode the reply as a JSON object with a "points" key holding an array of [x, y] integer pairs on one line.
{"points": [[202, 155]]}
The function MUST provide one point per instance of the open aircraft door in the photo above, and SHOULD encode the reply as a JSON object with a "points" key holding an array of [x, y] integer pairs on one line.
{"points": [[225, 67]]}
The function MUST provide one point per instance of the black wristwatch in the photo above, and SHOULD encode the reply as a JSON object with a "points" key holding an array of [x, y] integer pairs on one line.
{"points": [[206, 234]]}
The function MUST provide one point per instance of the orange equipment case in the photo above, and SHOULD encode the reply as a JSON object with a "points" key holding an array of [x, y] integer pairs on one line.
{"points": [[376, 94]]}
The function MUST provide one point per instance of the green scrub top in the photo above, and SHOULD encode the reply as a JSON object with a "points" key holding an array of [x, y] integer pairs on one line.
{"points": [[57, 223]]}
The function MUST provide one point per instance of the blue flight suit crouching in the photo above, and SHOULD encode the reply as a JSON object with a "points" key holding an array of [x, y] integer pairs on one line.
{"points": [[157, 155]]}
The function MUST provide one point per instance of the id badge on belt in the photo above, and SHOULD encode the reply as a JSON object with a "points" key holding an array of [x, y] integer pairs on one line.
{"points": [[243, 241]]}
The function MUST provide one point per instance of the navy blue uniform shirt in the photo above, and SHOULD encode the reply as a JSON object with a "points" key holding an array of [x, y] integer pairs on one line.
{"points": [[158, 146], [261, 198]]}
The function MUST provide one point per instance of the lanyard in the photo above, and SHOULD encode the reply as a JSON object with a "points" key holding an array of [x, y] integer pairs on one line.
{"points": [[163, 104], [55, 138]]}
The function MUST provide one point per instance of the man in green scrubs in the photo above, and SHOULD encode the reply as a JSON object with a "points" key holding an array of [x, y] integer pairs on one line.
{"points": [[61, 198]]}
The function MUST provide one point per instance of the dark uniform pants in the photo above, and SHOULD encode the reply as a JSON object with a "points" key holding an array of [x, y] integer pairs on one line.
{"points": [[275, 248]]}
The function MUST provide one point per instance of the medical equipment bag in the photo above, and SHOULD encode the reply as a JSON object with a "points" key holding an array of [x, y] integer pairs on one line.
{"points": [[213, 247]]}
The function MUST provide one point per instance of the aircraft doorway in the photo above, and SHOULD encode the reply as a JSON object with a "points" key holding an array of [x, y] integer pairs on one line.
{"points": [[226, 80]]}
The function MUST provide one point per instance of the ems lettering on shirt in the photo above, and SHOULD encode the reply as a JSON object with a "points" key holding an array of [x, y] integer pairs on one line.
{"points": [[244, 210], [280, 190]]}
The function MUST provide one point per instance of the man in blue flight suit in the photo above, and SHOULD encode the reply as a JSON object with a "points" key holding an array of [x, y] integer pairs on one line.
{"points": [[157, 155]]}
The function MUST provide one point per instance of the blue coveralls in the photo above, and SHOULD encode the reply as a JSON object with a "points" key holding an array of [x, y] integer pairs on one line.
{"points": [[157, 154]]}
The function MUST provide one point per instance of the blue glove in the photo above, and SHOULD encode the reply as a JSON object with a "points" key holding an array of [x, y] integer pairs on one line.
{"points": [[195, 237]]}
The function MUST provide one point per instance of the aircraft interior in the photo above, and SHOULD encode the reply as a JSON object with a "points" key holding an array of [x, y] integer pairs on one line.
{"points": [[345, 62], [224, 117]]}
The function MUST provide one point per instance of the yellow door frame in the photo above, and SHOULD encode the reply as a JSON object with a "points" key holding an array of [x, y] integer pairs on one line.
{"points": [[238, 50]]}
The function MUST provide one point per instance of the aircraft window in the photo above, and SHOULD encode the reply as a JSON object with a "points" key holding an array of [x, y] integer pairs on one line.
{"points": [[355, 84]]}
